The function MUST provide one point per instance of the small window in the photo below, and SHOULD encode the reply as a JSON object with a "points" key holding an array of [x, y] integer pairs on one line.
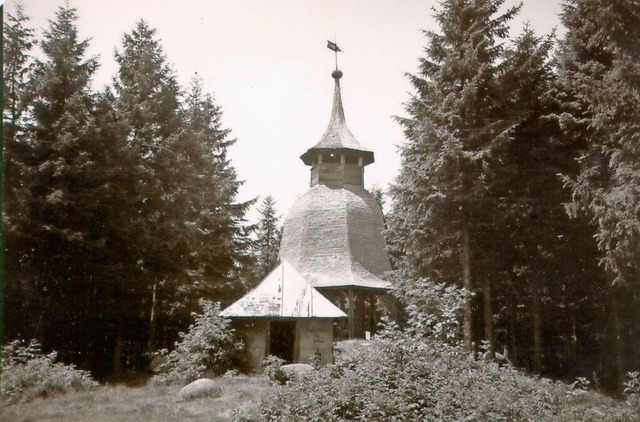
{"points": [[331, 157]]}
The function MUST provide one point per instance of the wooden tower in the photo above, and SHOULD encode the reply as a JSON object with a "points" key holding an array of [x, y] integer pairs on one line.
{"points": [[332, 235], [332, 248]]}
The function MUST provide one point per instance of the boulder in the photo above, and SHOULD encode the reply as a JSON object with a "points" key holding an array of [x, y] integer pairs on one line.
{"points": [[294, 371], [204, 387], [157, 361]]}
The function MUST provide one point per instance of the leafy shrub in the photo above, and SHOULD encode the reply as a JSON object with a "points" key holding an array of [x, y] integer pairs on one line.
{"points": [[632, 390], [432, 309], [208, 346], [272, 368], [632, 385], [27, 373], [404, 377]]}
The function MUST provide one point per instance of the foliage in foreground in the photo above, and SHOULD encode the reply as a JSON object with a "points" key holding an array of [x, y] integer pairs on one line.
{"points": [[401, 377], [208, 347], [27, 373]]}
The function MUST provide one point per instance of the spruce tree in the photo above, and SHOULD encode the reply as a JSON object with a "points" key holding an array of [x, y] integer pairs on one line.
{"points": [[211, 245], [454, 123], [221, 235], [191, 241], [62, 181], [267, 244], [600, 76], [18, 42], [146, 103], [17, 66], [533, 271]]}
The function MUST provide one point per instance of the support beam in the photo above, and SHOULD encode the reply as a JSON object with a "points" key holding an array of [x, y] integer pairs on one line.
{"points": [[373, 314], [351, 314]]}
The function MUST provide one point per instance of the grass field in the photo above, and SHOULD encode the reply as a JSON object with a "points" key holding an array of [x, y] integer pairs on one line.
{"points": [[240, 401]]}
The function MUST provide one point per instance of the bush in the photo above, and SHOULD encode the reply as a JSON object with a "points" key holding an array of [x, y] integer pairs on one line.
{"points": [[272, 368], [632, 390], [431, 309], [404, 377], [27, 374], [208, 347]]}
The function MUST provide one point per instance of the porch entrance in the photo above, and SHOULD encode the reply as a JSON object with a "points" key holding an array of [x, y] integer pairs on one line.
{"points": [[282, 339]]}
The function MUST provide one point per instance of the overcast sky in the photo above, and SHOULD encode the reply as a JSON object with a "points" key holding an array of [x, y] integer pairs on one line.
{"points": [[267, 64]]}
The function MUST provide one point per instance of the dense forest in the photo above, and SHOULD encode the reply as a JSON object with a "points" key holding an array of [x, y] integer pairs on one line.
{"points": [[520, 182], [120, 207]]}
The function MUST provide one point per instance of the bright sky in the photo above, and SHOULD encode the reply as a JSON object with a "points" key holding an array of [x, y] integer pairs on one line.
{"points": [[267, 64]]}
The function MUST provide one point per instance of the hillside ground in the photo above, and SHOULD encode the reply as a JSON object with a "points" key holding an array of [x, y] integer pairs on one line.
{"points": [[239, 400]]}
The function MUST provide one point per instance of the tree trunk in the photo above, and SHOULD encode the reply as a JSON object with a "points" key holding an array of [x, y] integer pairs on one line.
{"points": [[618, 342], [153, 318], [513, 323], [466, 283], [537, 328], [571, 339], [117, 351], [488, 318]]}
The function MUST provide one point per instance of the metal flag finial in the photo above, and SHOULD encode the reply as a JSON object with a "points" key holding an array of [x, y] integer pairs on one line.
{"points": [[334, 47]]}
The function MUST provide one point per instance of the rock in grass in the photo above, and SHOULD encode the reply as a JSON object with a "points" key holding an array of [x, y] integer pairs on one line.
{"points": [[296, 370], [204, 387]]}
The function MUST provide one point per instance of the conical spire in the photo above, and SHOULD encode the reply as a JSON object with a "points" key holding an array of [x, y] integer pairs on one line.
{"points": [[337, 136]]}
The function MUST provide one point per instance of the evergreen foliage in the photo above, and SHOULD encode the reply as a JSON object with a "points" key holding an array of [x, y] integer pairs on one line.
{"points": [[209, 347], [456, 119], [479, 201], [18, 40], [268, 235], [123, 211], [17, 43], [600, 78], [52, 222]]}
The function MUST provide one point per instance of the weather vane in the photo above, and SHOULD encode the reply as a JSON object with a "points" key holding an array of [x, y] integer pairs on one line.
{"points": [[334, 47]]}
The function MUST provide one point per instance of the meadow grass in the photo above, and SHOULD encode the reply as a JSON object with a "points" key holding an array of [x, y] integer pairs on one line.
{"points": [[240, 400]]}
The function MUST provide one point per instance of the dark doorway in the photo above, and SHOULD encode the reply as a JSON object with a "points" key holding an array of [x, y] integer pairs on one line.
{"points": [[283, 335]]}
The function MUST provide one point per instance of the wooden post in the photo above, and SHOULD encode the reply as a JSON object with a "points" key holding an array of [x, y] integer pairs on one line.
{"points": [[351, 314], [373, 313]]}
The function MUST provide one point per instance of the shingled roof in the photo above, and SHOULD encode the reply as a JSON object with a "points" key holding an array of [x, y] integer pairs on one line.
{"points": [[337, 137], [284, 293], [333, 237]]}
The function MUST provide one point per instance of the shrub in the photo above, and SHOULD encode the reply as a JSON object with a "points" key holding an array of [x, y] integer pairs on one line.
{"points": [[431, 309], [208, 346], [632, 390], [272, 368], [27, 374], [404, 377]]}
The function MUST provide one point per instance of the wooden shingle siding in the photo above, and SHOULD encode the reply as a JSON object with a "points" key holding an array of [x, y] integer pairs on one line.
{"points": [[333, 237]]}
